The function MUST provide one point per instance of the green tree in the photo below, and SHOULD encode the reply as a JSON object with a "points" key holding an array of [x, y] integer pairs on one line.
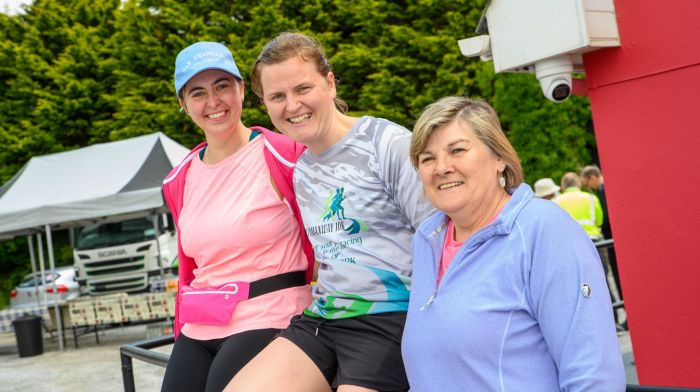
{"points": [[80, 72], [551, 138], [52, 65], [15, 267]]}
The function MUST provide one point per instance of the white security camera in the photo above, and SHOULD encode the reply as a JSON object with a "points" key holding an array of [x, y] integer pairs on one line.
{"points": [[554, 75], [476, 46]]}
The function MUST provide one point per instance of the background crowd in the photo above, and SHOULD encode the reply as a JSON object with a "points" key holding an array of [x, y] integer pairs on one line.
{"points": [[583, 197]]}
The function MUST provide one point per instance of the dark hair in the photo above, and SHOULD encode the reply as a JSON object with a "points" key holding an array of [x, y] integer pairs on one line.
{"points": [[590, 171]]}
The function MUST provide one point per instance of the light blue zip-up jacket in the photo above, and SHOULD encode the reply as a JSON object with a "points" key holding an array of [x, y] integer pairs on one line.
{"points": [[523, 306]]}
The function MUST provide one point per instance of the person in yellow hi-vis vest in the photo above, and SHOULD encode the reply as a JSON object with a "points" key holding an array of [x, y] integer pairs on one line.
{"points": [[584, 207]]}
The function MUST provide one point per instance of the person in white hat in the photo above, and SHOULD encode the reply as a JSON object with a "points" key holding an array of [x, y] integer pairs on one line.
{"points": [[545, 188]]}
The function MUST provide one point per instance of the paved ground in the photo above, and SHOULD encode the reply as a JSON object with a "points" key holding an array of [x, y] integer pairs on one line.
{"points": [[91, 367], [94, 367]]}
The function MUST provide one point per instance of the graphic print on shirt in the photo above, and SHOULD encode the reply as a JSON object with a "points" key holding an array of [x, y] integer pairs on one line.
{"points": [[397, 292], [334, 207], [338, 304], [334, 214]]}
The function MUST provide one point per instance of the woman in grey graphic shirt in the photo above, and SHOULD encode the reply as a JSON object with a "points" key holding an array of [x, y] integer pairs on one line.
{"points": [[360, 201]]}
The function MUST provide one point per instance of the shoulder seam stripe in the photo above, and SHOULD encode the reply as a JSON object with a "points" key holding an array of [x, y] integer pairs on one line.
{"points": [[277, 154], [182, 164]]}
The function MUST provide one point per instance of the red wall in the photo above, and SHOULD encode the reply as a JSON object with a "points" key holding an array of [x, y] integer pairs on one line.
{"points": [[645, 99]]}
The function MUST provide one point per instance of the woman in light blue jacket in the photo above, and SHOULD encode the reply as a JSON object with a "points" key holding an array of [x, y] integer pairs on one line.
{"points": [[508, 291]]}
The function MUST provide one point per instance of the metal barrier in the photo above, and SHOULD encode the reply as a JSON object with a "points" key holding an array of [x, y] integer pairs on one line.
{"points": [[604, 244], [142, 350], [644, 388]]}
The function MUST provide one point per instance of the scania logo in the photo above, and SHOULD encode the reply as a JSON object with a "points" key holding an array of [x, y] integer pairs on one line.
{"points": [[109, 253]]}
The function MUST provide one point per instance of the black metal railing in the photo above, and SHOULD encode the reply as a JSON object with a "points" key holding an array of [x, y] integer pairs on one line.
{"points": [[646, 388], [604, 244], [142, 350]]}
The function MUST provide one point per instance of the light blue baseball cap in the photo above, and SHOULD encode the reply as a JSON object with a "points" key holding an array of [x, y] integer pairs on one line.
{"points": [[202, 56]]}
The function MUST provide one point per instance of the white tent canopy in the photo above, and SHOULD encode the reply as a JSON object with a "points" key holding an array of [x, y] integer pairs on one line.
{"points": [[91, 183], [72, 188]]}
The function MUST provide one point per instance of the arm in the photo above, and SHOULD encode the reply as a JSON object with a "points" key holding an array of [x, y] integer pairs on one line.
{"points": [[184, 277], [400, 178], [579, 330], [314, 277], [173, 193], [281, 154]]}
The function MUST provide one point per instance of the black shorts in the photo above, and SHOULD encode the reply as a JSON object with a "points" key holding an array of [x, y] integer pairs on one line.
{"points": [[363, 351]]}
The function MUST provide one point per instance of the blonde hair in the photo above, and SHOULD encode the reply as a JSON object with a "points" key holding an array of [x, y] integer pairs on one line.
{"points": [[481, 117], [288, 45]]}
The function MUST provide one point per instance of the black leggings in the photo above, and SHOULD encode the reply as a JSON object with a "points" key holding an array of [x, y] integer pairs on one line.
{"points": [[209, 365]]}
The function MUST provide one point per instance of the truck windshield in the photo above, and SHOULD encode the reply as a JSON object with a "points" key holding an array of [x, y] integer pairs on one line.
{"points": [[104, 235]]}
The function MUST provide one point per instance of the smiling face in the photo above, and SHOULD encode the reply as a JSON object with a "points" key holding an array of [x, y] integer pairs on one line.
{"points": [[299, 101], [459, 172], [214, 101]]}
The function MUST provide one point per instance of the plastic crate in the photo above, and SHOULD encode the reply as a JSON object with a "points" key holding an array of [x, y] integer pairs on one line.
{"points": [[108, 309], [82, 312], [135, 307]]}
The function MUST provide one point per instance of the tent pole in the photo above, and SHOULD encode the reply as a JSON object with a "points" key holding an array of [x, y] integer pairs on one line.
{"points": [[164, 218], [33, 260], [71, 236], [154, 221], [40, 248], [56, 308]]}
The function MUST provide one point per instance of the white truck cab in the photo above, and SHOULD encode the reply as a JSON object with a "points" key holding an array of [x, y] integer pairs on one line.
{"points": [[124, 256]]}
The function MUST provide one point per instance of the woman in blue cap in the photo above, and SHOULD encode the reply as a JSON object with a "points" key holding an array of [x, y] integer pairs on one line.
{"points": [[243, 265]]}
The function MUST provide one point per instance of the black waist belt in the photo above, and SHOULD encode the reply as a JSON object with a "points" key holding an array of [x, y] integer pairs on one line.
{"points": [[277, 282]]}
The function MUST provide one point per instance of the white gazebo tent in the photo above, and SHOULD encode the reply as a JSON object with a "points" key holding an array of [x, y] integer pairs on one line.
{"points": [[109, 181]]}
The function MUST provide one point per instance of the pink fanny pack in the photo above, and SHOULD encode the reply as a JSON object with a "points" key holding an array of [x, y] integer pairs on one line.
{"points": [[211, 305], [215, 305]]}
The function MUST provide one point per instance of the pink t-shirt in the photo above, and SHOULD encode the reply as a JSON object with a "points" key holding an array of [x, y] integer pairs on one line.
{"points": [[449, 249], [236, 228]]}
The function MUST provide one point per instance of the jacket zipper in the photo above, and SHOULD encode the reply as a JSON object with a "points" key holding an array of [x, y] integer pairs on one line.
{"points": [[435, 257], [430, 301]]}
